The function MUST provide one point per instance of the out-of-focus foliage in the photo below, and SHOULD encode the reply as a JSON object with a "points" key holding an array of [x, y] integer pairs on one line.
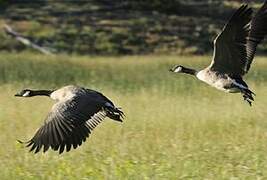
{"points": [[167, 6], [118, 27]]}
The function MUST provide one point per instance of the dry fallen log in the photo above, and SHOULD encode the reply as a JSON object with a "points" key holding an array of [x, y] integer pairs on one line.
{"points": [[25, 41]]}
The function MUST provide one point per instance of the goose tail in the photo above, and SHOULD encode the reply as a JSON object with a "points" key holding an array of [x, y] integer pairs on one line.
{"points": [[114, 113], [248, 95]]}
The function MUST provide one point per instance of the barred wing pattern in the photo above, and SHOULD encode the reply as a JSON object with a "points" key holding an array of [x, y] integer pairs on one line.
{"points": [[68, 124]]}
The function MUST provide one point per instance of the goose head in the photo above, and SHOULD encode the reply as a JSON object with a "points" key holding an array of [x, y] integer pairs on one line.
{"points": [[177, 69], [24, 93], [182, 69]]}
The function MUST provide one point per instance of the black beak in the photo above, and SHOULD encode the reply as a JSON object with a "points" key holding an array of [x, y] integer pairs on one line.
{"points": [[172, 69], [17, 95]]}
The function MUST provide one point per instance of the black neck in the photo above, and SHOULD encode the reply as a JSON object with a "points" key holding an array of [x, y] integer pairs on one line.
{"points": [[41, 92], [189, 71]]}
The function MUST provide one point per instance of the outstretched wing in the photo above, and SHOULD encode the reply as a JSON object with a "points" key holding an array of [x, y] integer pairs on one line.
{"points": [[230, 51], [256, 34], [68, 124]]}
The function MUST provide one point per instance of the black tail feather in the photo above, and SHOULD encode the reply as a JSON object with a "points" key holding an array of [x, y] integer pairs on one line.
{"points": [[248, 95], [114, 113]]}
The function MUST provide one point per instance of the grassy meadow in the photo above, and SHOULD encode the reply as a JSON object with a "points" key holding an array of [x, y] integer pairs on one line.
{"points": [[175, 127]]}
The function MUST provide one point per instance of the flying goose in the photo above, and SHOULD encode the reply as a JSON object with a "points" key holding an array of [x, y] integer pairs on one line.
{"points": [[234, 49], [76, 113]]}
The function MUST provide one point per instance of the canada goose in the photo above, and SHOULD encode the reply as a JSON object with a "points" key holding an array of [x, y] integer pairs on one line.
{"points": [[234, 49], [76, 113]]}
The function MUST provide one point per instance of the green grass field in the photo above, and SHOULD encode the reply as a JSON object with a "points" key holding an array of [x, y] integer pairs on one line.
{"points": [[175, 128]]}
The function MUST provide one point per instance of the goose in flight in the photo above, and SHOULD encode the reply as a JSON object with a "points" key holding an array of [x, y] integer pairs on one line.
{"points": [[75, 114], [234, 50]]}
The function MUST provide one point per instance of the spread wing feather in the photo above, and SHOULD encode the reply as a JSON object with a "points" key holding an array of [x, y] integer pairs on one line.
{"points": [[68, 124], [230, 45], [256, 34], [235, 46]]}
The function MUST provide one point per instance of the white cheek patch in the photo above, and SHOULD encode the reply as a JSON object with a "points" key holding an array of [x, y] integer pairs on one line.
{"points": [[27, 93], [178, 69]]}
